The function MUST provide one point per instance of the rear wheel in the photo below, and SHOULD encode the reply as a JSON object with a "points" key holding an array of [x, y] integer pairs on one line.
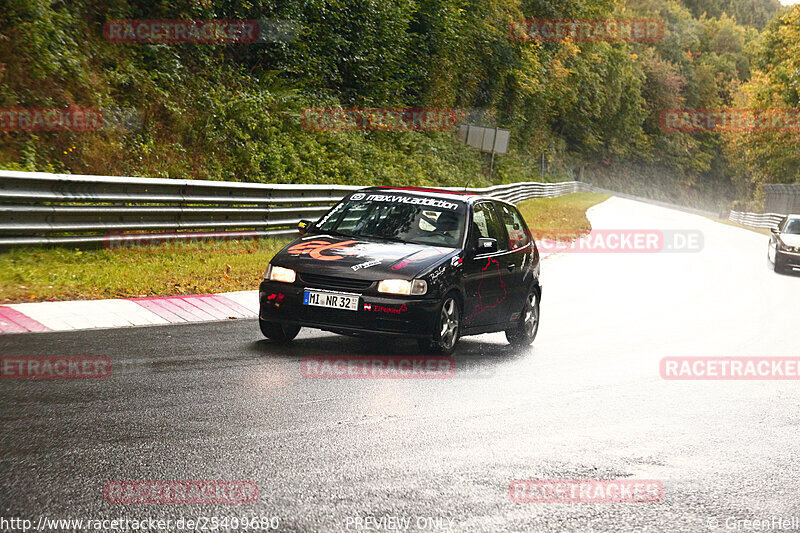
{"points": [[524, 333], [278, 333], [448, 329]]}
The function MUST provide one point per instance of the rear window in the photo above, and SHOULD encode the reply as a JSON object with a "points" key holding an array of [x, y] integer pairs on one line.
{"points": [[517, 235]]}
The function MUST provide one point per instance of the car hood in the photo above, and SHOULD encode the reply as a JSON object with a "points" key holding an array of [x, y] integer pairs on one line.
{"points": [[357, 258], [790, 239]]}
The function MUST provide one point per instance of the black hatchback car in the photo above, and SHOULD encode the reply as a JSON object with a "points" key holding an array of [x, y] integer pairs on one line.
{"points": [[418, 263]]}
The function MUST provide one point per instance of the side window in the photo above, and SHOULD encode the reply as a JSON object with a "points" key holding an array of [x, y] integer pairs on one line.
{"points": [[486, 224], [515, 227]]}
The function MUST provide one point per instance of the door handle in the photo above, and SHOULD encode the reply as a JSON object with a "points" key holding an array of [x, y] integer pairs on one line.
{"points": [[512, 266]]}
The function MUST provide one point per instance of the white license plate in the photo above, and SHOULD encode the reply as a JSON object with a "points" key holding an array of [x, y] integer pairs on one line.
{"points": [[335, 300]]}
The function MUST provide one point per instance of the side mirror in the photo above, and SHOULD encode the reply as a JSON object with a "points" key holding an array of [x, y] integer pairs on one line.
{"points": [[303, 226], [486, 245]]}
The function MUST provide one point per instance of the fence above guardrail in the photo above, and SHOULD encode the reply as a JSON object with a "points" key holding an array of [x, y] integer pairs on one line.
{"points": [[39, 208]]}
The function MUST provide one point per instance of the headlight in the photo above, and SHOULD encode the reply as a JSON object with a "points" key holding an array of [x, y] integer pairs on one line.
{"points": [[416, 287], [284, 275]]}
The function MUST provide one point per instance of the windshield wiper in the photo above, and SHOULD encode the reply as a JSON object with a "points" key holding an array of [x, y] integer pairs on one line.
{"points": [[338, 233], [392, 239], [382, 238]]}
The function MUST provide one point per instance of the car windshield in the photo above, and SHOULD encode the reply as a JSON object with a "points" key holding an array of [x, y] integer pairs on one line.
{"points": [[793, 227], [398, 218]]}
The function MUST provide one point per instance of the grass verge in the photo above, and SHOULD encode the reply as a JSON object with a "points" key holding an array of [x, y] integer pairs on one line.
{"points": [[39, 274], [561, 218], [763, 231], [44, 274]]}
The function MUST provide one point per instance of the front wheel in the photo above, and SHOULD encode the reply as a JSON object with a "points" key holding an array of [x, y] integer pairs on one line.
{"points": [[524, 333], [448, 330], [278, 333]]}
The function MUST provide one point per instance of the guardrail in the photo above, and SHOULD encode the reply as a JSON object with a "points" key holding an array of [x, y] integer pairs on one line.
{"points": [[39, 208], [756, 220]]}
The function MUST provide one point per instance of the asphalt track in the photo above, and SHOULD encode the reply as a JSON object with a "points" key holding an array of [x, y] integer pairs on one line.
{"points": [[215, 401]]}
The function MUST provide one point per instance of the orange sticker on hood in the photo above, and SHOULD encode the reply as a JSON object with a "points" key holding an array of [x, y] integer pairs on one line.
{"points": [[315, 249]]}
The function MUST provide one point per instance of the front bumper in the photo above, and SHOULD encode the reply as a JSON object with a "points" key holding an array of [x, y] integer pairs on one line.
{"points": [[788, 259], [379, 315]]}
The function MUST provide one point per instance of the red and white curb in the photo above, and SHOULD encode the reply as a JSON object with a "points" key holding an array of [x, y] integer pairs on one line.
{"points": [[93, 314]]}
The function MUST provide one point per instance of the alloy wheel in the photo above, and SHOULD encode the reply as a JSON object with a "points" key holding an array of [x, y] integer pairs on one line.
{"points": [[449, 321]]}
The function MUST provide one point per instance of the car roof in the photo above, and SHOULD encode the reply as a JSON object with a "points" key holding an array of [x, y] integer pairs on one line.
{"points": [[460, 196]]}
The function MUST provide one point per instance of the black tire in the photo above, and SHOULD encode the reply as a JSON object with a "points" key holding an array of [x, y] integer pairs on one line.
{"points": [[278, 333], [448, 329], [525, 332]]}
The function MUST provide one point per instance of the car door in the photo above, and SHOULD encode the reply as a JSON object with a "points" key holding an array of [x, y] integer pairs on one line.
{"points": [[519, 252], [485, 274]]}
